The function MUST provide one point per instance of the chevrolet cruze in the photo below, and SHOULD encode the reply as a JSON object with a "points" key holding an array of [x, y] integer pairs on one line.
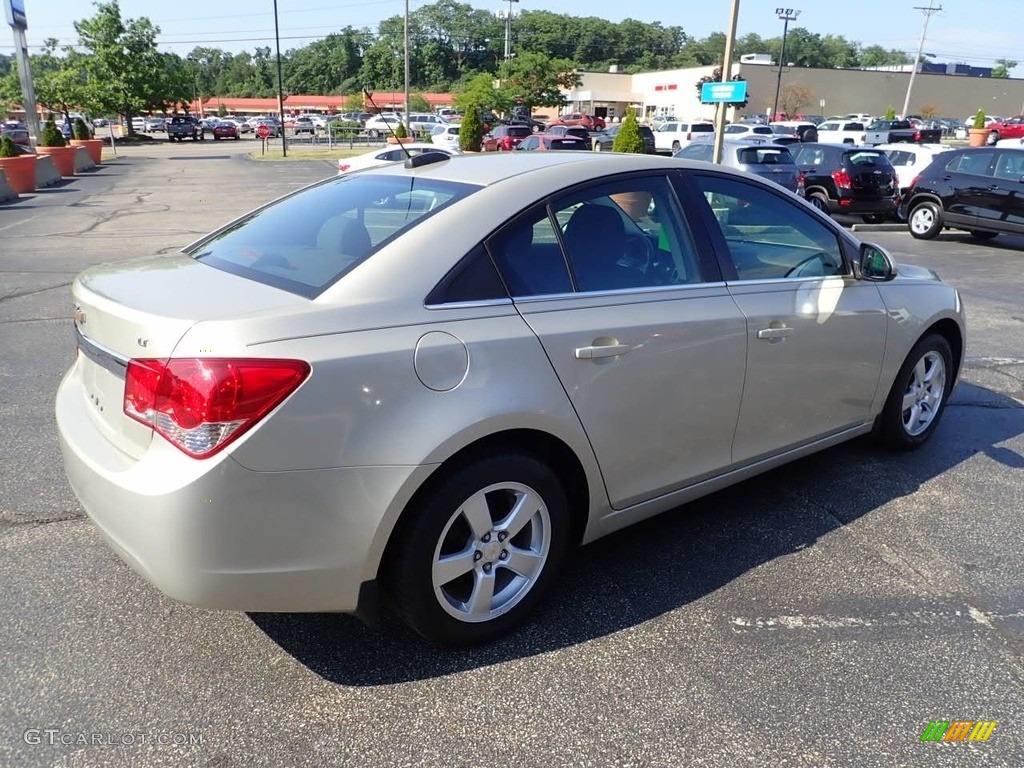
{"points": [[420, 384]]}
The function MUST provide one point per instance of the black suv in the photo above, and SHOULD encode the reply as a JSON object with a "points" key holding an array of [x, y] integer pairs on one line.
{"points": [[980, 190], [856, 181], [605, 140]]}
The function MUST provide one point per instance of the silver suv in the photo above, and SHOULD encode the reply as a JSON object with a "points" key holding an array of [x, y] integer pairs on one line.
{"points": [[769, 161]]}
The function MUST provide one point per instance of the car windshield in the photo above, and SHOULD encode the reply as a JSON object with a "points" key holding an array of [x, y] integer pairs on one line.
{"points": [[309, 240], [867, 158]]}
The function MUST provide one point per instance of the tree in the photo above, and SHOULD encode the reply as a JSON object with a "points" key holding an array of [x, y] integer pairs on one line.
{"points": [[471, 130], [928, 111], [793, 98], [126, 73], [535, 80], [716, 77], [890, 113], [418, 103], [481, 93], [628, 139], [60, 82], [1003, 67]]}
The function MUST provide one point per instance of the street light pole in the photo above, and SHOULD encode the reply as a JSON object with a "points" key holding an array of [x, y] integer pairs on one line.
{"points": [[917, 61], [730, 39], [280, 85], [786, 15], [508, 30], [405, 34]]}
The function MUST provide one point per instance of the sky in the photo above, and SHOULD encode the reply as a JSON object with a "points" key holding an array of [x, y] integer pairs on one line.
{"points": [[973, 31]]}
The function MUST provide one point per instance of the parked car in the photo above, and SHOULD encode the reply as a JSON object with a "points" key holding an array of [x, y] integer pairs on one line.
{"points": [[257, 454], [973, 189], [1011, 128], [16, 130], [381, 125], [794, 130], [841, 132], [769, 161], [303, 124], [910, 159], [895, 131], [570, 130], [226, 129], [446, 135], [273, 125], [856, 181], [548, 142], [673, 136], [390, 154], [605, 140], [156, 124], [504, 138], [100, 122], [180, 127], [745, 130], [423, 124], [590, 122]]}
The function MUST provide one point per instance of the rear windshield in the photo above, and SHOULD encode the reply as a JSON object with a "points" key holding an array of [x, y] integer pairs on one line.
{"points": [[862, 158], [309, 240], [571, 143], [702, 128], [766, 156], [519, 130]]}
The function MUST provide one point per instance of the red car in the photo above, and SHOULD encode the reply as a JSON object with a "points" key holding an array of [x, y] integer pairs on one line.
{"points": [[590, 122], [225, 130], [504, 138], [1012, 128]]}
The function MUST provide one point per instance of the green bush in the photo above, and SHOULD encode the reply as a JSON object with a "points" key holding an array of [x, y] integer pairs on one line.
{"points": [[79, 130], [471, 130], [400, 132], [979, 120], [7, 148], [890, 114], [52, 137], [629, 138]]}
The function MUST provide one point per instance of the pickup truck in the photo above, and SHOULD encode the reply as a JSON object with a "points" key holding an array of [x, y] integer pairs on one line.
{"points": [[183, 127], [1011, 128], [900, 131]]}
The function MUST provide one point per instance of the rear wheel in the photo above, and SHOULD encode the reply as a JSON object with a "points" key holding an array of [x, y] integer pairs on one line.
{"points": [[925, 220], [675, 147], [480, 550], [918, 395], [819, 201], [993, 137], [874, 218], [981, 234]]}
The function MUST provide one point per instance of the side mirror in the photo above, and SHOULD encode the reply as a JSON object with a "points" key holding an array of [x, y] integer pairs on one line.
{"points": [[875, 263]]}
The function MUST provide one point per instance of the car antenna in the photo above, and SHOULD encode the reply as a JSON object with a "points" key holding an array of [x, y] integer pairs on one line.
{"points": [[411, 160]]}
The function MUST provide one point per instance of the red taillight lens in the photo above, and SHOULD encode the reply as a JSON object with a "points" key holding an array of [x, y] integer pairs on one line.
{"points": [[200, 405], [343, 166], [842, 179], [913, 182], [917, 137]]}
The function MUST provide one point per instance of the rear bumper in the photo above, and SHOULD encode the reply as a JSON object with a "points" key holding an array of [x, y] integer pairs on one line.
{"points": [[886, 206], [215, 534]]}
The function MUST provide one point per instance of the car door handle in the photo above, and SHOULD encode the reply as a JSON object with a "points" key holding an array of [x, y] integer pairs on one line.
{"points": [[604, 350], [993, 186], [774, 333]]}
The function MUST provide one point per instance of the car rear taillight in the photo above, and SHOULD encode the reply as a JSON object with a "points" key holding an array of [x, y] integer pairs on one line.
{"points": [[801, 183], [842, 179], [913, 182], [343, 166], [200, 405], [689, 136], [917, 137]]}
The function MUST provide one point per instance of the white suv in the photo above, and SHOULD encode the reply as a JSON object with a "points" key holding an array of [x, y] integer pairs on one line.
{"points": [[446, 135]]}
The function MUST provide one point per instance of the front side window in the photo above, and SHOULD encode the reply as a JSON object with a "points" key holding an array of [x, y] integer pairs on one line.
{"points": [[309, 240], [1010, 165], [769, 237]]}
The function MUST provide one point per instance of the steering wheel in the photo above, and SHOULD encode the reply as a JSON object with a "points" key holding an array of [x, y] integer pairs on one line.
{"points": [[638, 253]]}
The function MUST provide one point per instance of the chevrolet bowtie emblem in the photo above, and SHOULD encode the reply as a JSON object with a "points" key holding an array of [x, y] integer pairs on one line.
{"points": [[79, 315]]}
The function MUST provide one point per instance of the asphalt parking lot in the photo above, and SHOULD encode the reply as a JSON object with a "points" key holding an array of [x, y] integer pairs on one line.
{"points": [[819, 616]]}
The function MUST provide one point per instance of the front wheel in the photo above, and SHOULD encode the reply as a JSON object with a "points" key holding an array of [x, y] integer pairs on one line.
{"points": [[925, 220], [480, 549], [918, 395]]}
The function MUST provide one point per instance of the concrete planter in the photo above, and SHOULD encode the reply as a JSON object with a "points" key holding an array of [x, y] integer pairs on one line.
{"points": [[95, 147], [63, 157], [21, 172]]}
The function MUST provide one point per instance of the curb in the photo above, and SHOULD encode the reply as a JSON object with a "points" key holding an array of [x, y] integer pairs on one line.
{"points": [[894, 227]]}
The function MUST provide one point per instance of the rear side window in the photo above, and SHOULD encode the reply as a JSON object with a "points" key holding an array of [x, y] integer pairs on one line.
{"points": [[976, 163], [697, 151], [309, 240], [766, 156]]}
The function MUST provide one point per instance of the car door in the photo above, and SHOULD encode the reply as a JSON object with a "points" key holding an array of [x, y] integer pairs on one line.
{"points": [[1006, 193], [967, 179], [815, 335], [640, 329]]}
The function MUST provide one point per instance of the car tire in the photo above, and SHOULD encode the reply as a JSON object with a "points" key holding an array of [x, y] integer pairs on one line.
{"points": [[873, 218], [918, 396], [982, 234], [373, 134], [676, 147], [441, 603], [992, 138], [925, 220], [597, 146], [819, 201], [216, 137]]}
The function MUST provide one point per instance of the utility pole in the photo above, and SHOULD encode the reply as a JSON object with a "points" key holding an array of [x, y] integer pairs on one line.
{"points": [[719, 144], [508, 30], [405, 33], [920, 48], [786, 15]]}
